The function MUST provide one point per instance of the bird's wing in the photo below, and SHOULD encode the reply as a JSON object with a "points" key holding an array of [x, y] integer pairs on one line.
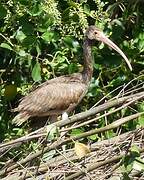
{"points": [[53, 96]]}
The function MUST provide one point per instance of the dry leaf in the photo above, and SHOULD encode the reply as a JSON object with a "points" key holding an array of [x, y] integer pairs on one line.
{"points": [[81, 150]]}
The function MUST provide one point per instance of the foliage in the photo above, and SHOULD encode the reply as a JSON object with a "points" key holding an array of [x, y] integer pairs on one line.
{"points": [[133, 161], [41, 39]]}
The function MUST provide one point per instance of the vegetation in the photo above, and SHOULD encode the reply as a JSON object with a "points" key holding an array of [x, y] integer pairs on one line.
{"points": [[41, 39]]}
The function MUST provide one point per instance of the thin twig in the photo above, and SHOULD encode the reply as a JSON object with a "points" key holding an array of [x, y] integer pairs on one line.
{"points": [[82, 135], [60, 161], [106, 114], [78, 117], [99, 164]]}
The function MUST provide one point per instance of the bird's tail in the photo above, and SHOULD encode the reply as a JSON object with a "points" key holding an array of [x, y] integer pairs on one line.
{"points": [[14, 110], [20, 118]]}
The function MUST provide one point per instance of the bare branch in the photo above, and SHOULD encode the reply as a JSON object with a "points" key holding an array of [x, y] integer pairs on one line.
{"points": [[96, 165], [59, 142]]}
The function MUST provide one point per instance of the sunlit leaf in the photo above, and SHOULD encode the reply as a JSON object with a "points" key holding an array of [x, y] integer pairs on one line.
{"points": [[93, 137], [135, 149], [20, 35], [38, 49], [138, 164], [35, 10], [48, 36], [6, 46], [87, 8], [77, 131], [22, 53], [81, 150], [36, 72], [141, 120], [51, 132]]}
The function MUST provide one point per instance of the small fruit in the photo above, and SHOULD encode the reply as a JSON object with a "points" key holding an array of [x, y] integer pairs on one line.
{"points": [[10, 91]]}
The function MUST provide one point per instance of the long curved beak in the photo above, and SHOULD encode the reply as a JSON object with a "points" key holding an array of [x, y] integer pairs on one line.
{"points": [[107, 41]]}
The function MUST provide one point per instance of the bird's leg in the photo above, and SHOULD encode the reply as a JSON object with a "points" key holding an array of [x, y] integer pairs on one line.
{"points": [[65, 113], [65, 116], [53, 118]]}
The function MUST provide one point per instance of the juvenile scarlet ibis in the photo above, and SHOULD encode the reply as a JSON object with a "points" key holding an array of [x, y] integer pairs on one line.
{"points": [[62, 94]]}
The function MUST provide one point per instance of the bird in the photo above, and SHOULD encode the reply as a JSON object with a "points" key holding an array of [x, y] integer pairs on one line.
{"points": [[60, 95]]}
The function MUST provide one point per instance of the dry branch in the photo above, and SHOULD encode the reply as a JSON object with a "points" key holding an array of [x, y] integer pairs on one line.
{"points": [[78, 117], [96, 165], [106, 114], [84, 115], [108, 127], [59, 142], [120, 103], [57, 162]]}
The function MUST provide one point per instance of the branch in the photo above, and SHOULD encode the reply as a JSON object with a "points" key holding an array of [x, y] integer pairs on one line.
{"points": [[19, 141], [59, 161], [78, 117], [59, 142], [113, 125], [98, 164], [106, 114], [84, 115]]}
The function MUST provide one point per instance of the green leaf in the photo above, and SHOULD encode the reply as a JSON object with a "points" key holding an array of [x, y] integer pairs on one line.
{"points": [[29, 41], [127, 164], [23, 2], [141, 45], [138, 164], [52, 130], [48, 36], [38, 50], [135, 149], [36, 72], [6, 46], [93, 137], [20, 36], [126, 176], [72, 67], [36, 10], [27, 27], [3, 12], [141, 120], [22, 53], [87, 8], [10, 91], [77, 131], [68, 40]]}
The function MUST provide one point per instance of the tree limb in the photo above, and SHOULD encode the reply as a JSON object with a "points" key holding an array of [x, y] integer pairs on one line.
{"points": [[59, 142], [98, 164]]}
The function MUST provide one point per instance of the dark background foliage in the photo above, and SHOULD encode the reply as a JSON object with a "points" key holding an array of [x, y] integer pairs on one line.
{"points": [[41, 39]]}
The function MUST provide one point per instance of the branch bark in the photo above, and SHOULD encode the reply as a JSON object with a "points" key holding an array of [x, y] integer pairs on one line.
{"points": [[78, 117], [59, 143], [96, 165]]}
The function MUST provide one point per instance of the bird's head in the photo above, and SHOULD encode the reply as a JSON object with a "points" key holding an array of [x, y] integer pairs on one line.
{"points": [[93, 33]]}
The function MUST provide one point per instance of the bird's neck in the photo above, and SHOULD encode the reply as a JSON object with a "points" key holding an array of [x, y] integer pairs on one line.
{"points": [[88, 63]]}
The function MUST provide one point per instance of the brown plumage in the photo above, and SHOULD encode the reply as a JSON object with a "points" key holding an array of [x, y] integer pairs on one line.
{"points": [[63, 93]]}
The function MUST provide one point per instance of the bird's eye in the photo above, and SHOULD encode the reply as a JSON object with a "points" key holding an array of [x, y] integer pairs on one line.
{"points": [[95, 33]]}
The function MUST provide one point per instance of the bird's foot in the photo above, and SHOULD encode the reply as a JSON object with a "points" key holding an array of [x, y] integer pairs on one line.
{"points": [[65, 116]]}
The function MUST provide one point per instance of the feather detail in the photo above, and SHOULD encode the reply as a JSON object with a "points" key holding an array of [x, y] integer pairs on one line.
{"points": [[15, 109], [20, 118]]}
